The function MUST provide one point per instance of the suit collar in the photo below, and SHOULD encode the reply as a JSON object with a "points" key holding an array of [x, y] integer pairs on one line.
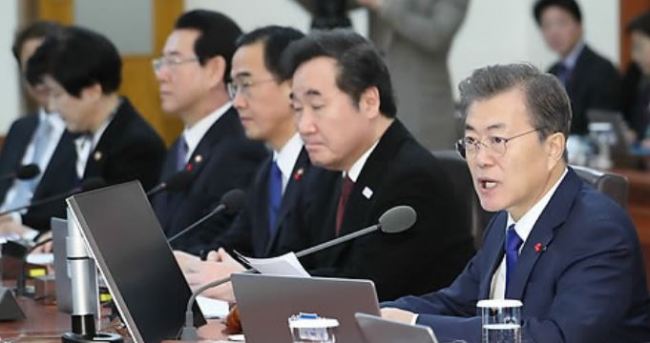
{"points": [[362, 195], [289, 198], [193, 135], [554, 215]]}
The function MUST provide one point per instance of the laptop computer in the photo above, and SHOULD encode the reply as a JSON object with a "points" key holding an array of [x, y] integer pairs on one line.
{"points": [[266, 302], [131, 251], [378, 330]]}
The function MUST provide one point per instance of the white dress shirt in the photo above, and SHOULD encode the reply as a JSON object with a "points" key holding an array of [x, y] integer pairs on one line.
{"points": [[357, 167], [86, 144], [57, 128], [286, 158], [195, 133], [523, 228]]}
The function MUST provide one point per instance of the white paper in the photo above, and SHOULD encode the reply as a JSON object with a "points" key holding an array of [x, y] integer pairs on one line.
{"points": [[283, 265], [40, 259], [213, 308]]}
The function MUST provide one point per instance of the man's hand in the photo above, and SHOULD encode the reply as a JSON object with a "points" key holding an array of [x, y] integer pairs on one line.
{"points": [[10, 227], [218, 266], [398, 315]]}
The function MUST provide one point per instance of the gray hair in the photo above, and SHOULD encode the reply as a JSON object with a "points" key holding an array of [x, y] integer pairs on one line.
{"points": [[547, 102]]}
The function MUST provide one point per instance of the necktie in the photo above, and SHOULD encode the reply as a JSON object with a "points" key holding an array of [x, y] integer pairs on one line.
{"points": [[513, 242], [563, 73], [25, 188], [181, 153], [275, 196], [346, 188]]}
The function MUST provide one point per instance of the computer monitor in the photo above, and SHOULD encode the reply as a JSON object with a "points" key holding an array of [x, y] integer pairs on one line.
{"points": [[130, 249]]}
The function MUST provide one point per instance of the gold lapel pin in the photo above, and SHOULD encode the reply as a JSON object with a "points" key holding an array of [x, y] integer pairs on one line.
{"points": [[198, 158], [97, 156]]}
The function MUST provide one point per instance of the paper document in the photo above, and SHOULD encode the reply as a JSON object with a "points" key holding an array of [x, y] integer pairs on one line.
{"points": [[40, 259], [213, 308], [283, 265]]}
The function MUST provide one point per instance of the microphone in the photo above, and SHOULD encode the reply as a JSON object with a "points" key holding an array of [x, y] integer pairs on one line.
{"points": [[175, 183], [394, 220], [87, 185], [25, 172], [231, 202]]}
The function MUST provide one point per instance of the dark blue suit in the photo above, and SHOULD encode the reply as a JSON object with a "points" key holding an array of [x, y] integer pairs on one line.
{"points": [[59, 176], [250, 232], [224, 160], [580, 276]]}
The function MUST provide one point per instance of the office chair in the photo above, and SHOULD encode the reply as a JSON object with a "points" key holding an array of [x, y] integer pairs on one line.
{"points": [[614, 185]]}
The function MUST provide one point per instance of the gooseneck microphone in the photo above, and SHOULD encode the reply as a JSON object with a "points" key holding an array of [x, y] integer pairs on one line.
{"points": [[26, 172], [87, 185], [394, 220], [231, 202], [176, 183]]}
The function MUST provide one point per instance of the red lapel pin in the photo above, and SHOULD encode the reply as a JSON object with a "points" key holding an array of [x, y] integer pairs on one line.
{"points": [[539, 248], [189, 167], [298, 174]]}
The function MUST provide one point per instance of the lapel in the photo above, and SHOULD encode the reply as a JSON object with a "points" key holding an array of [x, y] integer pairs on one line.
{"points": [[363, 194], [288, 199], [553, 216], [106, 145], [580, 68], [61, 167], [225, 126], [25, 137], [494, 254]]}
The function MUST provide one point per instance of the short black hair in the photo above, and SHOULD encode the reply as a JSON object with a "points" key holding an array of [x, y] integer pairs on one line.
{"points": [[217, 35], [546, 99], [77, 59], [360, 65], [276, 39], [640, 24], [36, 30], [568, 5]]}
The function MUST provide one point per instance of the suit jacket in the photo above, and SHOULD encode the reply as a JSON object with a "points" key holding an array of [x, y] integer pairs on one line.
{"points": [[594, 83], [579, 275], [415, 37], [59, 177], [223, 160], [129, 149], [250, 234], [399, 171]]}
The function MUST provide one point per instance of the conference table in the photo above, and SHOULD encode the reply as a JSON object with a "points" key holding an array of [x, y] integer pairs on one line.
{"points": [[44, 324]]}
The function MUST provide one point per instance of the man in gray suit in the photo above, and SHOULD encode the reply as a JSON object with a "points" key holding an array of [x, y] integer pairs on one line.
{"points": [[415, 37]]}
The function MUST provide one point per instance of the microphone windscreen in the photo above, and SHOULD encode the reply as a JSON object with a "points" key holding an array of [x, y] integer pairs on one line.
{"points": [[28, 172], [233, 200], [179, 181], [397, 219]]}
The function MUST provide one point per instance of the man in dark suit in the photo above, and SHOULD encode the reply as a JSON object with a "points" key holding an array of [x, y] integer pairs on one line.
{"points": [[591, 80], [39, 138], [82, 70], [267, 224], [193, 73], [568, 252], [345, 111]]}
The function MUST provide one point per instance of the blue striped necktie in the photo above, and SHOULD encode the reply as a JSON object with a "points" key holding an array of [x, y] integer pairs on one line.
{"points": [[275, 196], [513, 242]]}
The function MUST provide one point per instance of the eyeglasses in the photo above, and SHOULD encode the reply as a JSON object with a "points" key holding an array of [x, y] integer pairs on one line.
{"points": [[244, 87], [170, 61], [494, 144]]}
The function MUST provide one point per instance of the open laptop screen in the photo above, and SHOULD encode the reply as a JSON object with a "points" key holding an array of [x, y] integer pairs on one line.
{"points": [[130, 249]]}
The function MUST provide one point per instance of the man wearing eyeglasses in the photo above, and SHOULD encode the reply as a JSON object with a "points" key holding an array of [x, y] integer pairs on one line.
{"points": [[568, 252], [193, 73], [266, 226]]}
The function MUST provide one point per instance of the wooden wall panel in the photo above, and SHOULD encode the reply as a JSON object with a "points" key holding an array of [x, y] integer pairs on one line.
{"points": [[629, 9]]}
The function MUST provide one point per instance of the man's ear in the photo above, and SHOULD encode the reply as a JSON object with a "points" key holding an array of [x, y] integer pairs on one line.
{"points": [[369, 102], [555, 146], [216, 69], [93, 92]]}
